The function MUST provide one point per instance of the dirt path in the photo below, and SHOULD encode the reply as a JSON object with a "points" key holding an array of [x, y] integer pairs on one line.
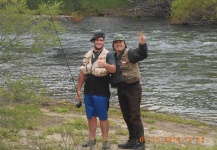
{"points": [[158, 132]]}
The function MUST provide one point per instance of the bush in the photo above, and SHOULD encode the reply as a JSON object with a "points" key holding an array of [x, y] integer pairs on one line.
{"points": [[185, 11], [25, 90]]}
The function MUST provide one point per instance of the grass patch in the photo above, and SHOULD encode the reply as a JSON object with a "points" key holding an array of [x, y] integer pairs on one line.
{"points": [[150, 121], [78, 123], [121, 132], [70, 106], [53, 129], [19, 116], [153, 128], [113, 138], [203, 132], [171, 118], [112, 124], [113, 113], [4, 146], [60, 110]]}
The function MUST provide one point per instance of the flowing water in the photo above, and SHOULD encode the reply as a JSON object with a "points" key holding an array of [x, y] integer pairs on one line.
{"points": [[179, 76]]}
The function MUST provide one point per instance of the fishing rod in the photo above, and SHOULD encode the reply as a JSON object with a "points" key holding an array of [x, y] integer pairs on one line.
{"points": [[79, 103]]}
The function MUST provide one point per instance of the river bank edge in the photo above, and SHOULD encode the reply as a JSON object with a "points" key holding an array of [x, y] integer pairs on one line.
{"points": [[118, 13], [162, 131], [139, 11]]}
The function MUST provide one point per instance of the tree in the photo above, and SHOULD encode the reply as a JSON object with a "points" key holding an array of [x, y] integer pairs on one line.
{"points": [[23, 31]]}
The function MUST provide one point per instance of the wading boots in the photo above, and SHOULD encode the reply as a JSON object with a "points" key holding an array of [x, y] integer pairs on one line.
{"points": [[140, 146], [130, 144]]}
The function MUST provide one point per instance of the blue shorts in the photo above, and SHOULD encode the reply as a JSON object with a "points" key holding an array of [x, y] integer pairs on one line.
{"points": [[96, 106]]}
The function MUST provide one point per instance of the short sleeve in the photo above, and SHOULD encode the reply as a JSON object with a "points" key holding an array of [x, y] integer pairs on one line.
{"points": [[110, 59]]}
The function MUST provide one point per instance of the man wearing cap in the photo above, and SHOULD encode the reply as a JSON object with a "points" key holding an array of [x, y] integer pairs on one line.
{"points": [[127, 81], [95, 71]]}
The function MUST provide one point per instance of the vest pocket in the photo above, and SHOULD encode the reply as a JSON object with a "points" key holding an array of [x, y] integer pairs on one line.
{"points": [[99, 72], [85, 69], [85, 61]]}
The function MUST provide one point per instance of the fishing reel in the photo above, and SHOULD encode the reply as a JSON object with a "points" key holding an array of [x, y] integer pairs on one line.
{"points": [[78, 104]]}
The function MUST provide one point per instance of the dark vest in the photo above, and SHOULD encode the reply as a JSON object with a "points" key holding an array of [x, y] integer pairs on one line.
{"points": [[130, 71], [126, 72]]}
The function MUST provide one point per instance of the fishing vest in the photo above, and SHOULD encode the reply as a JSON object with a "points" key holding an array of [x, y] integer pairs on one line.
{"points": [[130, 71], [89, 68]]}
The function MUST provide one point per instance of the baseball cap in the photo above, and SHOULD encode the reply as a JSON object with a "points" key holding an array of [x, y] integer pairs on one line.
{"points": [[118, 37]]}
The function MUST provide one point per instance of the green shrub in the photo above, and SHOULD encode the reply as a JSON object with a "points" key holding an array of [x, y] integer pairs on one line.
{"points": [[185, 11], [67, 6], [25, 90], [16, 117]]}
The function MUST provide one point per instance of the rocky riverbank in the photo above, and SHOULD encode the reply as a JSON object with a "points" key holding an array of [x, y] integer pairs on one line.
{"points": [[140, 9]]}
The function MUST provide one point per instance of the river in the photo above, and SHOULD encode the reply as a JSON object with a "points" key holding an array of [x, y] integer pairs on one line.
{"points": [[178, 77]]}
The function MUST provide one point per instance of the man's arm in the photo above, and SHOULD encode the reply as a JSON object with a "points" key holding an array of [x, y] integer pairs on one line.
{"points": [[110, 68], [81, 80], [141, 52], [110, 64]]}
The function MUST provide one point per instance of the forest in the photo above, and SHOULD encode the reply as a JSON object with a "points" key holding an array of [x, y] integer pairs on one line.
{"points": [[178, 11]]}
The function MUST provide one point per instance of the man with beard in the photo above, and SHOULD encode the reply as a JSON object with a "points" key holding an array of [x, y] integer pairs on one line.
{"points": [[95, 71]]}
